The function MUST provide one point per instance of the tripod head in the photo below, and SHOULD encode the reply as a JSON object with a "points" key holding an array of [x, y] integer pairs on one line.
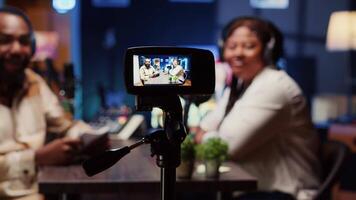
{"points": [[172, 114]]}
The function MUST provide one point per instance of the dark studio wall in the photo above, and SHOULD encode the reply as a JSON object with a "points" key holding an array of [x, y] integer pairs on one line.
{"points": [[159, 22], [304, 25], [107, 32]]}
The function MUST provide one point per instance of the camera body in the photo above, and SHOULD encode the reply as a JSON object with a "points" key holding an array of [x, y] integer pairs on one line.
{"points": [[160, 71]]}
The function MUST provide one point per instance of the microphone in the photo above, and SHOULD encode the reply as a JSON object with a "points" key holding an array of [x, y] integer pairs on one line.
{"points": [[103, 161]]}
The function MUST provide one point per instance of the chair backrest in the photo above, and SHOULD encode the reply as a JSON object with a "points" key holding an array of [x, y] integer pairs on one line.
{"points": [[333, 156]]}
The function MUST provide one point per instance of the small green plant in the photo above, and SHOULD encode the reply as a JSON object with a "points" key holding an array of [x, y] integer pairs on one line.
{"points": [[212, 149], [173, 78], [188, 148]]}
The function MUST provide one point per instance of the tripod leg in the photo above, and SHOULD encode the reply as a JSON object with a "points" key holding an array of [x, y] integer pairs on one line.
{"points": [[168, 180]]}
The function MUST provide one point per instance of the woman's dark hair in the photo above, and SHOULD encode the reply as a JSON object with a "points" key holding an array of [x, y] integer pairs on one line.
{"points": [[235, 93], [178, 61]]}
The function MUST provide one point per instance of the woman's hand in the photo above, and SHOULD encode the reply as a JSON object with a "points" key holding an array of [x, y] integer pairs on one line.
{"points": [[199, 135], [58, 152]]}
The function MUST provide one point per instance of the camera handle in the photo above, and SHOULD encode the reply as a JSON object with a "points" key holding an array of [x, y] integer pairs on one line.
{"points": [[165, 144]]}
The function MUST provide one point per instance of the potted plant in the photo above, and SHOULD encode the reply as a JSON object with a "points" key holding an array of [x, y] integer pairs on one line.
{"points": [[212, 152], [185, 169], [173, 79]]}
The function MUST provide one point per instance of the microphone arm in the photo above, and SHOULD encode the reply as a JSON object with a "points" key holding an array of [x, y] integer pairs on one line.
{"points": [[105, 160]]}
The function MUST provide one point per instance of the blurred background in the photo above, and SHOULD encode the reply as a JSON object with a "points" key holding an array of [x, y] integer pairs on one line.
{"points": [[84, 42], [81, 45]]}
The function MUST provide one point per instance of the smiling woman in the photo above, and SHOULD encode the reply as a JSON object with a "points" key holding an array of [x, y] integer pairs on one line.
{"points": [[243, 51], [263, 115]]}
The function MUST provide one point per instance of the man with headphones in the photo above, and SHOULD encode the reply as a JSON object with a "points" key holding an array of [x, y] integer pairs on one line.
{"points": [[28, 109], [263, 116]]}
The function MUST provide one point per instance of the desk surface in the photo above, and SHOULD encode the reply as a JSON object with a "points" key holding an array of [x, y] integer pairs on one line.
{"points": [[137, 172], [345, 133], [163, 78]]}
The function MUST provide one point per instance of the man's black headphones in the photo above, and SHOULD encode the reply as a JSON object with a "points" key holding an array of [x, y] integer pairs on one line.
{"points": [[20, 13], [273, 45]]}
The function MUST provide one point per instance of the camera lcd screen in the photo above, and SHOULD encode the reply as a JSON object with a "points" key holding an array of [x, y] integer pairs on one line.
{"points": [[158, 70], [151, 70]]}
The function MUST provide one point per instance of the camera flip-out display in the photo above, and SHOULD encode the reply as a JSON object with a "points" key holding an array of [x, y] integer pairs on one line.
{"points": [[169, 70]]}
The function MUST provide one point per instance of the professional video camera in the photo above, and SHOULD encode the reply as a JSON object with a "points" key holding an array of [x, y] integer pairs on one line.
{"points": [[157, 75]]}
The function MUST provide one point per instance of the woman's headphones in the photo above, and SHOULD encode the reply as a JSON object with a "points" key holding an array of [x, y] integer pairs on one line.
{"points": [[269, 49], [273, 47], [20, 13]]}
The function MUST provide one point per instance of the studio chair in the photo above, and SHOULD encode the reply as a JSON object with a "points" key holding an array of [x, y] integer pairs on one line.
{"points": [[333, 155], [185, 75]]}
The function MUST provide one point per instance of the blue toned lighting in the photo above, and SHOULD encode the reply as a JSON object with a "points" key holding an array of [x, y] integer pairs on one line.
{"points": [[269, 4], [63, 6], [192, 1], [211, 47], [111, 3]]}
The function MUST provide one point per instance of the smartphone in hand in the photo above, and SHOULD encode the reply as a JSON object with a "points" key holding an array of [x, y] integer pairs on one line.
{"points": [[93, 144]]}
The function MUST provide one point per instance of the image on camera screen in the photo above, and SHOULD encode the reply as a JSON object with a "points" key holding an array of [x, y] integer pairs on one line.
{"points": [[161, 70]]}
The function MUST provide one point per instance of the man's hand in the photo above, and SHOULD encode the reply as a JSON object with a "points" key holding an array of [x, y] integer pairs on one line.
{"points": [[94, 144], [58, 152]]}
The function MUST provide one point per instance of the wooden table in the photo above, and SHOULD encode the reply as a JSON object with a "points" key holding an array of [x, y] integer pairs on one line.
{"points": [[136, 173], [163, 78], [345, 133]]}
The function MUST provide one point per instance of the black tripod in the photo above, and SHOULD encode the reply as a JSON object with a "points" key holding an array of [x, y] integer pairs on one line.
{"points": [[165, 143]]}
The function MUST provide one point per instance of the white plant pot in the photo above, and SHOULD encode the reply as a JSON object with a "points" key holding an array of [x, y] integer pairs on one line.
{"points": [[212, 168]]}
